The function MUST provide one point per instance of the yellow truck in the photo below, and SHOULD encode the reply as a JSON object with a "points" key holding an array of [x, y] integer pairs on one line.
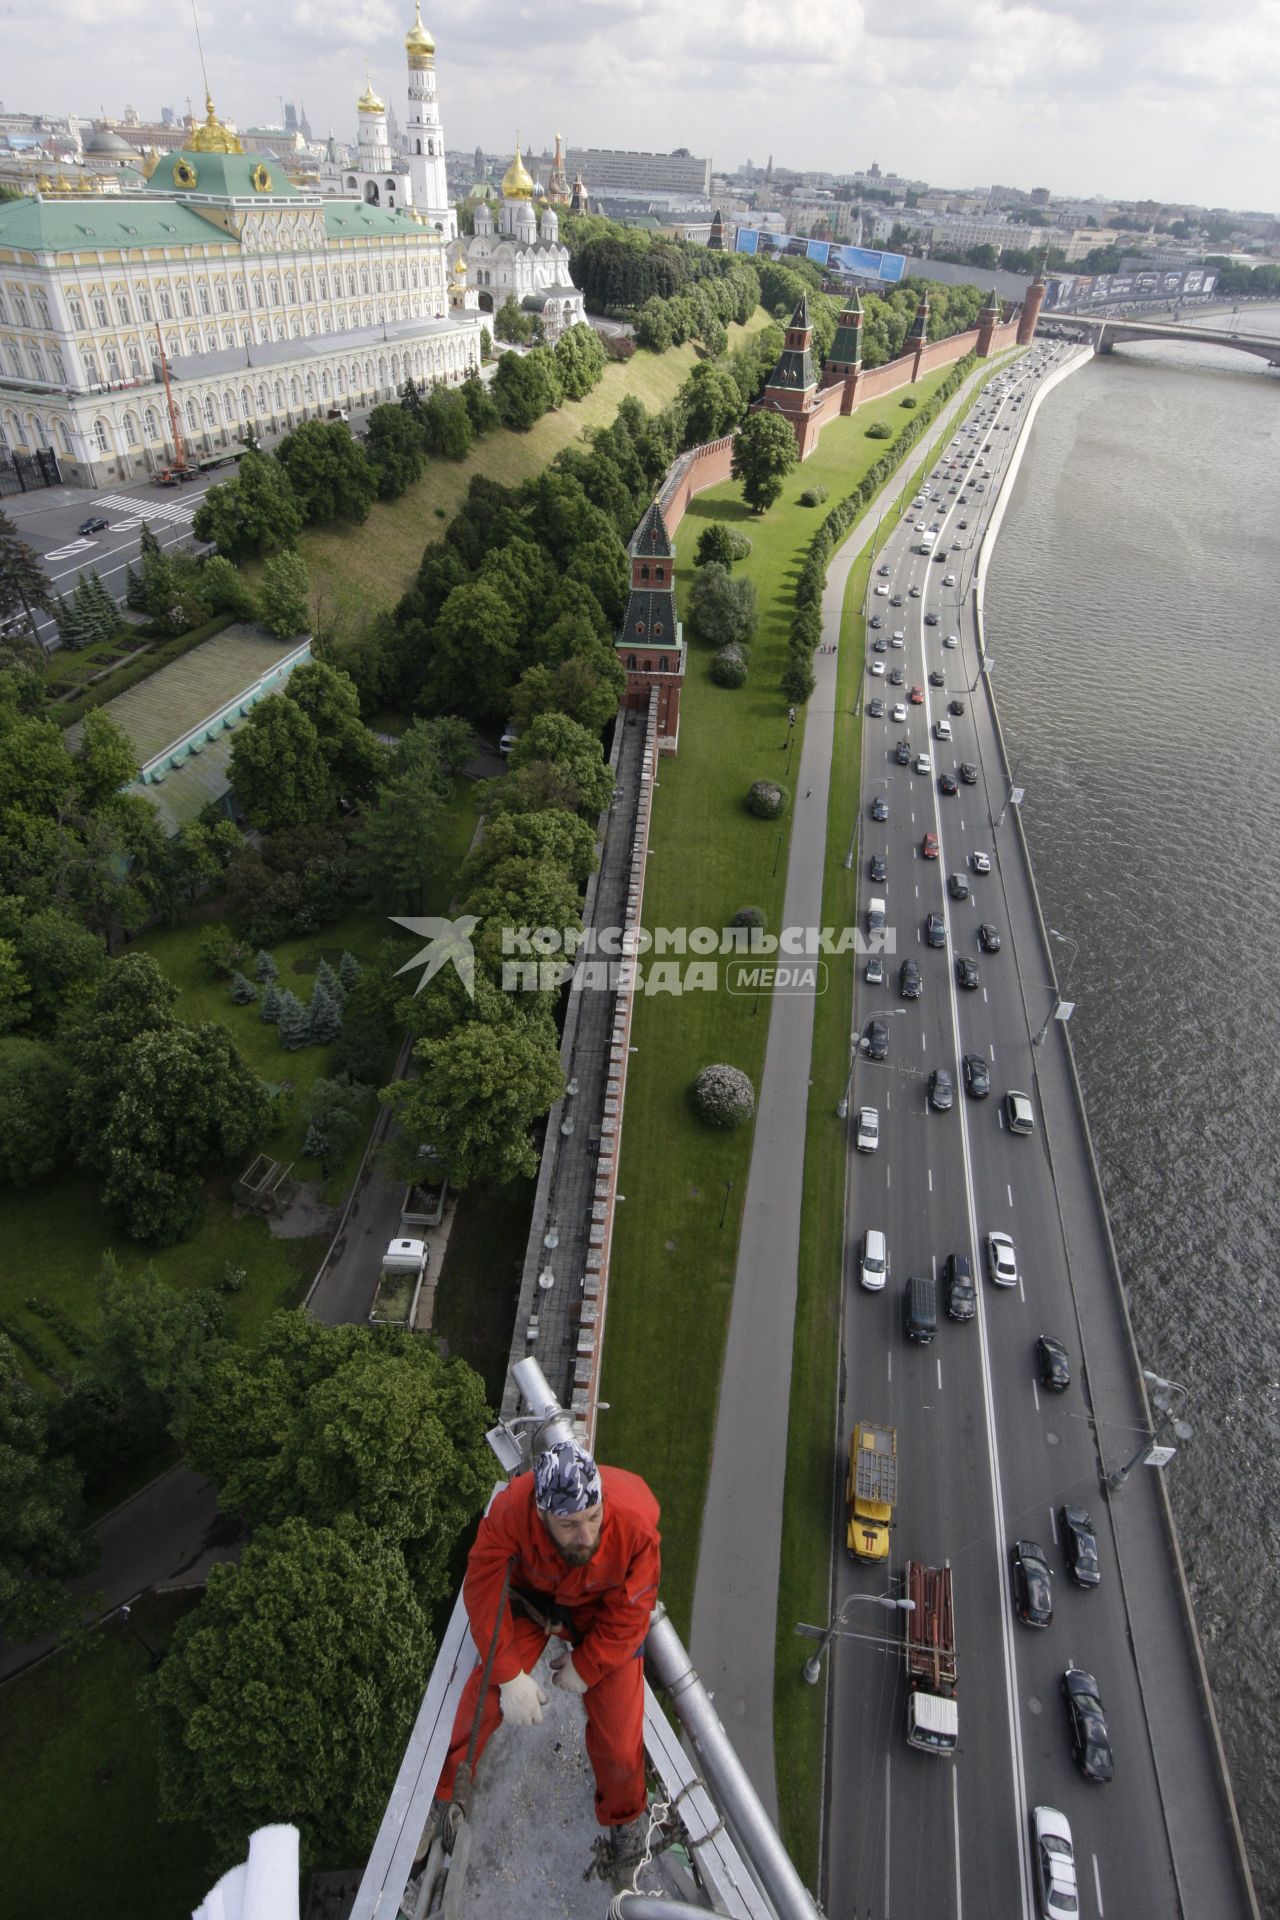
{"points": [[871, 1490]]}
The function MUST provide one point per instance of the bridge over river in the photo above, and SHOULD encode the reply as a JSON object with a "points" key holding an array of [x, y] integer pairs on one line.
{"points": [[1107, 333]]}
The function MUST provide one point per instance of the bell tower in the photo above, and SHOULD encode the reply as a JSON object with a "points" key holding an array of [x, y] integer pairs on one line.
{"points": [[425, 136]]}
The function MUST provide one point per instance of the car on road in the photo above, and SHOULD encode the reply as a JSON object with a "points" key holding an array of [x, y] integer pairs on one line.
{"points": [[1054, 1363], [899, 638], [989, 937], [1055, 1865], [977, 1076], [931, 619], [940, 558], [875, 709], [935, 930], [947, 783], [875, 1039], [949, 579], [877, 666], [899, 711], [94, 524], [879, 868], [1090, 1739], [942, 729], [1079, 1546], [896, 600], [902, 752], [955, 706], [879, 808], [884, 591], [966, 972], [941, 1092], [909, 980], [1002, 1260], [951, 642], [1032, 1584], [1018, 1114], [913, 593], [964, 526], [936, 678], [884, 572], [875, 621], [962, 1300], [916, 696], [980, 862], [957, 886], [879, 644], [898, 677], [924, 763], [875, 970], [874, 1264], [867, 1137], [929, 847]]}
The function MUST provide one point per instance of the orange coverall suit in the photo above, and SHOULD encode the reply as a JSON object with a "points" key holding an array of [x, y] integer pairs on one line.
{"points": [[609, 1602]]}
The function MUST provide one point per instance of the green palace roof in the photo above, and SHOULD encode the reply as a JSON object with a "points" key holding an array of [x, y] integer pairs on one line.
{"points": [[223, 176], [99, 226]]}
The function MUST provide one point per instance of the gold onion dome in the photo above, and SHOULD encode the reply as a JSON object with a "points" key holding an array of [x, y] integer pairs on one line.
{"points": [[369, 101], [460, 268], [418, 40], [516, 184], [213, 137]]}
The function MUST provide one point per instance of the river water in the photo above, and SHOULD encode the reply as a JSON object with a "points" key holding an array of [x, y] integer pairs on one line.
{"points": [[1132, 618]]}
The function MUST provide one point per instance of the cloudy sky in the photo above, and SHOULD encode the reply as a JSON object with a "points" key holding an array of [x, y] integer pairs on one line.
{"points": [[1160, 99]]}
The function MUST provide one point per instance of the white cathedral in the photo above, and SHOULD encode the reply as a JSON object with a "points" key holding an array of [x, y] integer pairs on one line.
{"points": [[524, 258]]}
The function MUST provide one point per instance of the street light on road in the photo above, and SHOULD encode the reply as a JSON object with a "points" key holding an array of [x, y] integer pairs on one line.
{"points": [[1167, 1407], [813, 1665], [1061, 1009]]}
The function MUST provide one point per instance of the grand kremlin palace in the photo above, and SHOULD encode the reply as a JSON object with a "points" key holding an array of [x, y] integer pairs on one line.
{"points": [[274, 305]]}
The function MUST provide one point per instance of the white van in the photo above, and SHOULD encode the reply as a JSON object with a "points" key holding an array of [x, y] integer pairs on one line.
{"points": [[875, 1261]]}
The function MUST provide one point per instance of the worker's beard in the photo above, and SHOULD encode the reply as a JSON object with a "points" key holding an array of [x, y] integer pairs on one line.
{"points": [[579, 1556]]}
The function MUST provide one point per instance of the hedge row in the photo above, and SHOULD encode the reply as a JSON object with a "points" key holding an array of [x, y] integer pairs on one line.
{"points": [[806, 625], [67, 712]]}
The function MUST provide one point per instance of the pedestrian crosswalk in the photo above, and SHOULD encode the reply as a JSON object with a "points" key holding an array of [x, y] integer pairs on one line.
{"points": [[178, 511]]}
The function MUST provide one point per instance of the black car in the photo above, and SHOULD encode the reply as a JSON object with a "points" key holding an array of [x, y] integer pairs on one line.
{"points": [[989, 937], [896, 600], [957, 886], [875, 709], [903, 753], [875, 1039], [879, 644], [875, 621], [968, 773], [1032, 1584], [964, 526], [955, 706], [879, 867], [1090, 1741], [966, 972], [937, 679], [1055, 1363], [931, 619], [941, 556], [94, 524], [941, 1092], [909, 980], [977, 1076], [947, 783], [1079, 1546], [935, 930], [897, 677], [962, 1300], [879, 808]]}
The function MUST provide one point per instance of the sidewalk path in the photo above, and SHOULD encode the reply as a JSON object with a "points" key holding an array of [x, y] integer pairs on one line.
{"points": [[735, 1596]]}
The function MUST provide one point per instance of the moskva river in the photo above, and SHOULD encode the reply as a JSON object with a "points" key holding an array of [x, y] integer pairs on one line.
{"points": [[1132, 611]]}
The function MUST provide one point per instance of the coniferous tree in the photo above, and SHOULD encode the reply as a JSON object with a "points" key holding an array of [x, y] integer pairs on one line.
{"points": [[327, 978], [293, 1022], [265, 967], [271, 1003], [243, 991], [324, 1016], [348, 971], [135, 591]]}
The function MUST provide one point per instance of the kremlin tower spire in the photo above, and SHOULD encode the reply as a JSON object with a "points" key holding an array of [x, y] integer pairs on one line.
{"points": [[425, 135]]}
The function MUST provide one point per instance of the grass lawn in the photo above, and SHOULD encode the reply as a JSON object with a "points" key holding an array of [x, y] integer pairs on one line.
{"points": [[673, 1263], [480, 1280], [360, 569], [79, 1790]]}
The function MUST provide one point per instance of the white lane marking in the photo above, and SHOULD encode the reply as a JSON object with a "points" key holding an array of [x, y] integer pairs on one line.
{"points": [[933, 1259], [1035, 1393], [984, 997], [1009, 1190], [145, 509], [935, 1264], [1097, 1881], [1053, 1525], [939, 1366], [64, 553], [1022, 1292], [889, 1364], [991, 1049], [888, 1176], [922, 1043], [955, 1828]]}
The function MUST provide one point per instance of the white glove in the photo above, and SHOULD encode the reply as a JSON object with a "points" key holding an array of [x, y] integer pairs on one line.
{"points": [[522, 1701], [566, 1676]]}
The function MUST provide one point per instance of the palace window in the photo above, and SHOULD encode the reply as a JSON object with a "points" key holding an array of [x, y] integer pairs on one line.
{"points": [[135, 360], [241, 302], [64, 438], [224, 305], [144, 306], [102, 436], [20, 306], [77, 314], [166, 303], [184, 301], [131, 429], [150, 424], [100, 314], [291, 291], [210, 411]]}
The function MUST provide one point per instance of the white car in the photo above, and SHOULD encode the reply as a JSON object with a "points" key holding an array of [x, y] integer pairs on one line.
{"points": [[867, 1138], [952, 640], [875, 1260], [1055, 1865], [924, 763], [949, 579], [980, 862], [942, 729], [875, 970], [899, 638], [1002, 1260], [877, 666], [884, 590], [899, 711]]}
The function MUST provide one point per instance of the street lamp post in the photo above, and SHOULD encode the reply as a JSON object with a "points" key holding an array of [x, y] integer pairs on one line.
{"points": [[1061, 1009], [1167, 1409], [153, 1657], [813, 1665]]}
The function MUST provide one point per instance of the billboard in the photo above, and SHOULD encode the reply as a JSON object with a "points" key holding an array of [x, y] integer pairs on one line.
{"points": [[864, 263], [1079, 292]]}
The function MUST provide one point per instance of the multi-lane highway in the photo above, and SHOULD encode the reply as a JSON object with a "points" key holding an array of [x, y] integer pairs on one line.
{"points": [[987, 1454]]}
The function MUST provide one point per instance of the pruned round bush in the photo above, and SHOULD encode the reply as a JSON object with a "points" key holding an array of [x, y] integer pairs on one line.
{"points": [[750, 917], [767, 800], [813, 496], [724, 1096], [740, 542], [880, 430], [729, 668], [908, 402]]}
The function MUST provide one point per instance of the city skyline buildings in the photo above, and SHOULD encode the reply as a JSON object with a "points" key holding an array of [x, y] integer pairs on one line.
{"points": [[1165, 102]]}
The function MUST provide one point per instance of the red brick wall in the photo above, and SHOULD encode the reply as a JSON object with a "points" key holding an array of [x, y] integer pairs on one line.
{"points": [[945, 353], [708, 466]]}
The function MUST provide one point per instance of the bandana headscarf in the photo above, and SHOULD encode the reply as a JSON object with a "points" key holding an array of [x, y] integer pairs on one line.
{"points": [[565, 1479]]}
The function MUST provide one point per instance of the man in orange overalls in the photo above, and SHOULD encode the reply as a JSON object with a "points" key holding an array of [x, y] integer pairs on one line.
{"points": [[582, 1545]]}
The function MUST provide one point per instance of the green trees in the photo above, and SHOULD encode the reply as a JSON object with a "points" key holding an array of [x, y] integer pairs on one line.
{"points": [[478, 1092], [710, 403], [554, 737], [513, 325], [763, 451], [331, 476], [447, 427], [33, 1123], [525, 386], [719, 544], [475, 652], [277, 769], [579, 357], [284, 603], [400, 841], [24, 590], [256, 513], [41, 1542], [722, 610], [394, 446]]}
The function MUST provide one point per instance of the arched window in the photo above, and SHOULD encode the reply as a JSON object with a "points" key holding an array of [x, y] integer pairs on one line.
{"points": [[306, 286], [241, 302], [364, 279], [122, 310], [135, 360], [64, 438], [99, 310], [131, 430], [264, 405], [280, 395], [144, 305], [193, 418], [258, 299], [77, 314], [42, 306], [295, 391], [202, 293], [246, 402], [184, 301], [150, 424], [166, 303], [291, 291], [309, 388], [102, 436], [351, 283], [324, 384], [224, 304], [377, 279], [229, 407], [295, 329], [210, 411], [340, 379], [90, 366], [644, 571], [631, 662], [35, 426], [322, 286]]}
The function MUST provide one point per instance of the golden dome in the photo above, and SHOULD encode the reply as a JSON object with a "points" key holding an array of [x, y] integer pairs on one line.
{"points": [[418, 42], [516, 184], [369, 101], [460, 269], [150, 161], [213, 137]]}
